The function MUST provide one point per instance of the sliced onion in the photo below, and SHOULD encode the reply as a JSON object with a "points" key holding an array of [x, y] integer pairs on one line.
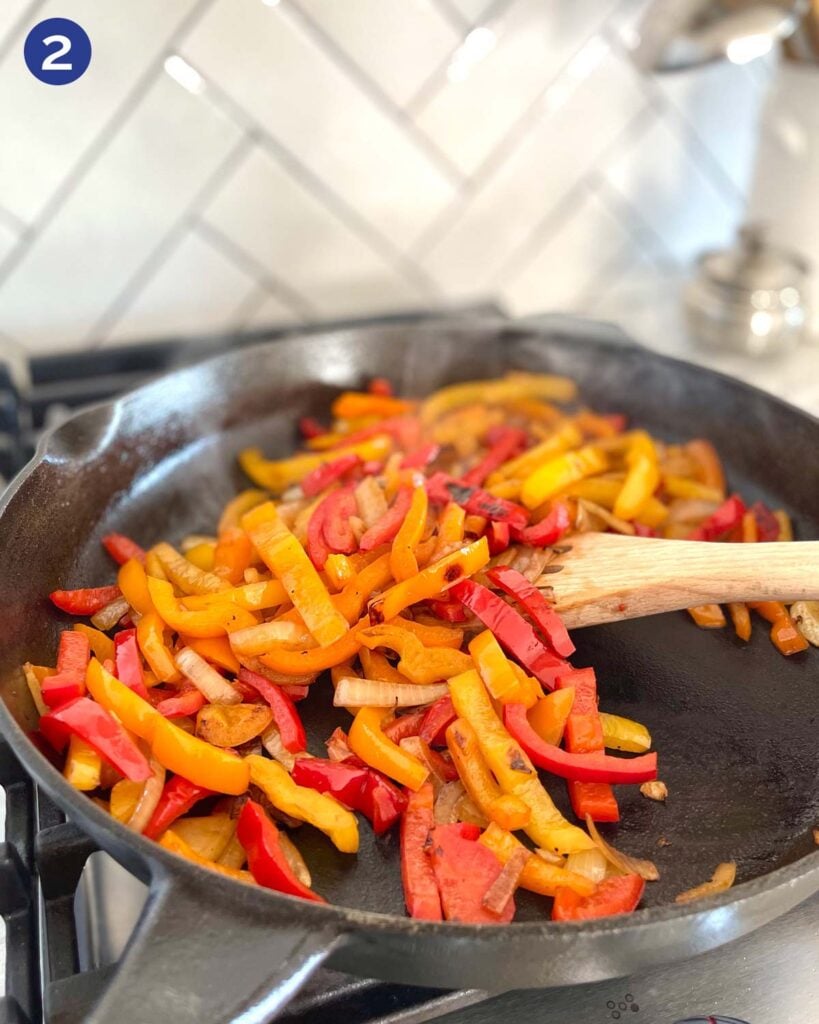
{"points": [[654, 790], [550, 856], [151, 794], [205, 678], [615, 522], [106, 618], [622, 861], [295, 859], [446, 805], [503, 888], [372, 505], [722, 879], [254, 640], [184, 574], [35, 689], [690, 510], [352, 692], [469, 812], [272, 743], [590, 864], [337, 747], [530, 561], [259, 667]]}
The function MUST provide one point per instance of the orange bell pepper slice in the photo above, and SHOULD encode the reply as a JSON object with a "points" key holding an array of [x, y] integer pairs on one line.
{"points": [[311, 660], [549, 714], [133, 711], [232, 555], [707, 616], [369, 579], [197, 761], [741, 619], [151, 640], [253, 597], [366, 739], [450, 529], [403, 561], [133, 582], [418, 663], [784, 635], [101, 645], [339, 570], [232, 513], [376, 666], [176, 844], [213, 648], [431, 636], [709, 466], [222, 617], [352, 405], [288, 561]]}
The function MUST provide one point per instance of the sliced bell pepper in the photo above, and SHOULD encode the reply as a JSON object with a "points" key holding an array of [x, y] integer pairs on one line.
{"points": [[101, 645], [507, 443], [726, 518], [91, 722], [197, 761], [356, 786], [475, 501], [133, 711], [566, 436], [82, 765], [287, 560], [549, 530], [464, 871], [707, 616], [375, 666], [619, 894], [561, 472], [202, 556], [622, 733], [352, 405], [784, 634], [87, 601], [642, 478], [285, 716], [367, 740], [317, 547], [339, 507], [420, 457], [328, 473], [494, 669], [133, 582], [176, 844], [513, 769], [178, 797], [421, 894], [708, 464], [499, 536], [265, 857], [495, 392], [253, 597], [129, 663], [311, 660], [515, 584], [382, 802], [419, 664], [310, 427], [122, 548], [584, 735], [403, 562], [511, 630], [767, 524], [68, 682], [184, 574], [479, 782], [431, 636], [216, 649], [183, 705], [318, 809], [232, 555], [151, 639], [435, 721], [448, 611], [549, 715], [537, 876], [592, 767], [278, 475], [404, 726], [387, 527], [430, 582], [216, 620]]}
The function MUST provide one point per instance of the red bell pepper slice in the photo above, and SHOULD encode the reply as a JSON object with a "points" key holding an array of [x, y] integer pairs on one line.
{"points": [[91, 722], [284, 711], [317, 548], [421, 457], [310, 427], [344, 781], [593, 767], [122, 549], [512, 631], [322, 476], [584, 735], [382, 801], [436, 719], [339, 506], [296, 693], [420, 888], [265, 857], [449, 611], [87, 601], [506, 442], [384, 531], [178, 797], [548, 531], [767, 525], [726, 518], [644, 531], [72, 661], [498, 536], [464, 871], [404, 725], [515, 584], [128, 662], [619, 894], [380, 386], [442, 488], [184, 705]]}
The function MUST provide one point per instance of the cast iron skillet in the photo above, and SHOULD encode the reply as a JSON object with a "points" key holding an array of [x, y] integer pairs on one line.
{"points": [[734, 725]]}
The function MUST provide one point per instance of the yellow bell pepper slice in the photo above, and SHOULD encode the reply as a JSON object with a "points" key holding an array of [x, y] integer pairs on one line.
{"points": [[494, 392], [494, 668], [642, 477], [371, 578], [125, 796], [318, 809], [101, 645], [136, 714], [561, 472], [420, 664], [340, 571], [197, 761], [151, 640], [133, 582], [278, 475], [565, 437], [681, 487], [549, 714], [222, 617], [623, 733], [367, 739], [536, 876], [176, 844], [253, 597], [403, 562], [450, 528], [202, 555], [431, 581], [513, 769], [82, 765], [232, 513], [288, 561], [479, 782]]}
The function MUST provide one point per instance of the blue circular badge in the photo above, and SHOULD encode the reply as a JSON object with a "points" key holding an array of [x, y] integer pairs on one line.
{"points": [[57, 51]]}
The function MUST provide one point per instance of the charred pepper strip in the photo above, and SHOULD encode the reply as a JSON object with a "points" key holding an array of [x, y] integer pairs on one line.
{"points": [[548, 531], [475, 501]]}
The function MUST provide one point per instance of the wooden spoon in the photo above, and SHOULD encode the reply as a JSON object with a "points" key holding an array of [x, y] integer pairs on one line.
{"points": [[603, 577]]}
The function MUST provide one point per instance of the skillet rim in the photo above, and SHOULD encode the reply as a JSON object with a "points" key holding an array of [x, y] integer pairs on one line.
{"points": [[147, 858]]}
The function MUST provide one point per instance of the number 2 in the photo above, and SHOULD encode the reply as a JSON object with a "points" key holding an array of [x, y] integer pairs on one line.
{"points": [[63, 47]]}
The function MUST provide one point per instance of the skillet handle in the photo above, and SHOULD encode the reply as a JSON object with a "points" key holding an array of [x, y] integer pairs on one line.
{"points": [[194, 959]]}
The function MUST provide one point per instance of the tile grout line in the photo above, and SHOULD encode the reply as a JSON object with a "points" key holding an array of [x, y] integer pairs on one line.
{"points": [[370, 87], [248, 306], [355, 222], [18, 26], [98, 145], [13, 222], [122, 301], [641, 231], [456, 19], [260, 274]]}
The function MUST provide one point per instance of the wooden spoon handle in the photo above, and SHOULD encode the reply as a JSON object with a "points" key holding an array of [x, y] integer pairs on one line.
{"points": [[605, 577]]}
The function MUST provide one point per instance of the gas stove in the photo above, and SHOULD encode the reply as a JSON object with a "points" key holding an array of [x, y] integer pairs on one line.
{"points": [[70, 909]]}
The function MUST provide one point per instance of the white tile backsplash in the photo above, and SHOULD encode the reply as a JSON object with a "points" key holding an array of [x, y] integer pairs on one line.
{"points": [[344, 157]]}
